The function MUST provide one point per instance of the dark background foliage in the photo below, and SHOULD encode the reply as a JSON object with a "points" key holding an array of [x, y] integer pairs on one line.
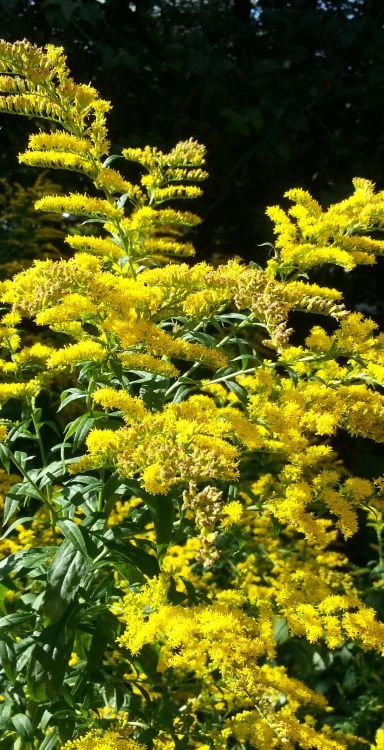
{"points": [[282, 93]]}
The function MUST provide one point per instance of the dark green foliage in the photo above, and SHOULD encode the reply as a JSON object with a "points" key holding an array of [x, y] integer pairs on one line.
{"points": [[283, 93]]}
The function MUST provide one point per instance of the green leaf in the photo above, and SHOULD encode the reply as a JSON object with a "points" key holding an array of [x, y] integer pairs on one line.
{"points": [[22, 459], [5, 457], [152, 389], [238, 390], [69, 395], [48, 474], [25, 560], [23, 490], [50, 742], [17, 522], [23, 726], [80, 427], [20, 429], [182, 393], [79, 537], [16, 618], [110, 486], [280, 629], [148, 659], [123, 551], [203, 338], [190, 589], [8, 657], [65, 574], [11, 505], [110, 159], [122, 200], [229, 317], [162, 511], [97, 648], [23, 650], [173, 595], [48, 661]]}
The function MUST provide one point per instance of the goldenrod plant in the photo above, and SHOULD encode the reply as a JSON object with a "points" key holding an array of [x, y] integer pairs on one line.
{"points": [[175, 568]]}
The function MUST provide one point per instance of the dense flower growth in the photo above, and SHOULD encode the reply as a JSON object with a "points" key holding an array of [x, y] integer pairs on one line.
{"points": [[175, 508]]}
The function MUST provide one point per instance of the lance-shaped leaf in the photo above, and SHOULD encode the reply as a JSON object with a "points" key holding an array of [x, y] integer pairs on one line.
{"points": [[8, 656], [64, 577], [49, 660]]}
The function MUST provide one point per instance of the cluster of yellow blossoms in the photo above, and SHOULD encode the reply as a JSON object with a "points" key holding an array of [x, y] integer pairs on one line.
{"points": [[307, 236], [192, 396], [109, 740]]}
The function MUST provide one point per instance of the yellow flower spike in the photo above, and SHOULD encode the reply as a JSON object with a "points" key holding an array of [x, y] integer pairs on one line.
{"points": [[46, 282], [56, 160], [96, 245], [140, 361], [160, 343], [47, 90], [304, 199], [318, 340], [74, 354], [59, 140], [358, 489], [83, 205], [29, 104], [71, 307], [19, 390], [10, 319], [111, 181], [132, 407], [156, 479], [36, 351], [99, 740]]}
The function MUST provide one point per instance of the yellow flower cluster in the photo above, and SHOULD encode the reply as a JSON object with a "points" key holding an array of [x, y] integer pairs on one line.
{"points": [[37, 82], [82, 205], [68, 295], [98, 740], [309, 586], [19, 390], [291, 419], [308, 236], [183, 443], [220, 638], [284, 581]]}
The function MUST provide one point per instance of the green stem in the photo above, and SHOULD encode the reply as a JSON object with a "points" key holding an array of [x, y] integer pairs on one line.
{"points": [[236, 328], [125, 242], [29, 479], [233, 375], [100, 494], [48, 490], [178, 382], [38, 433], [380, 548]]}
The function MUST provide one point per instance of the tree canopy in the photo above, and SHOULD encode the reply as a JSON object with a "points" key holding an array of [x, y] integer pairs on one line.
{"points": [[281, 92]]}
